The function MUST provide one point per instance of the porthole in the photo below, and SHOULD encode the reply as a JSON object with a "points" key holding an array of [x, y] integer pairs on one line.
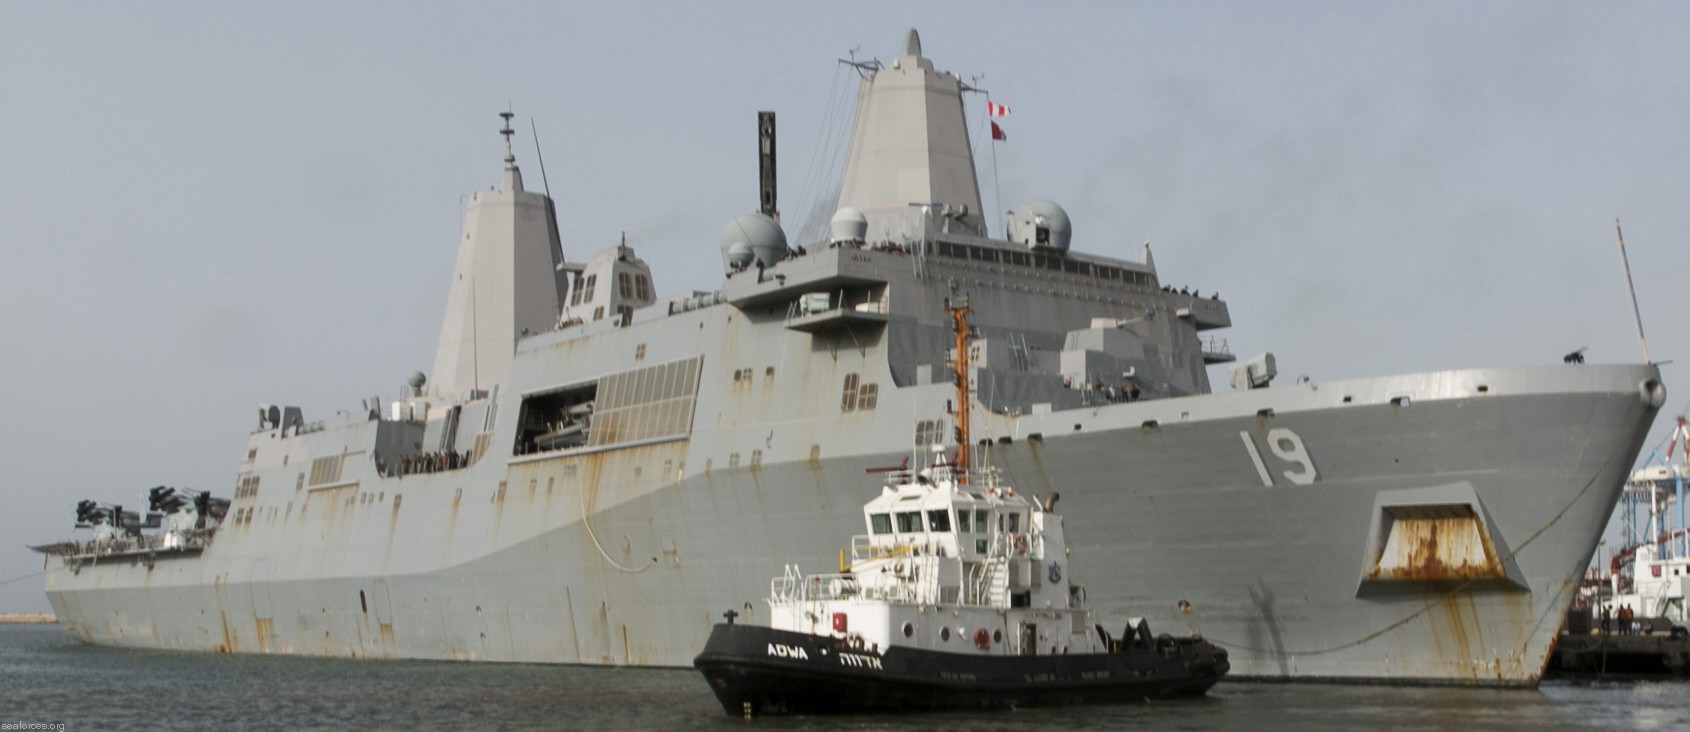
{"points": [[945, 635], [909, 630], [997, 636]]}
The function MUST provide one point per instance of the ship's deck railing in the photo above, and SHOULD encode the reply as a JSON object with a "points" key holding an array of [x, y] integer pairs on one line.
{"points": [[793, 587], [864, 549], [194, 540]]}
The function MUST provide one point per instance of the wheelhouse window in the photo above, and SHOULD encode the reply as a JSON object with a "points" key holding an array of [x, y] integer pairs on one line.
{"points": [[982, 522], [939, 521], [962, 516], [909, 522], [1011, 522], [880, 523]]}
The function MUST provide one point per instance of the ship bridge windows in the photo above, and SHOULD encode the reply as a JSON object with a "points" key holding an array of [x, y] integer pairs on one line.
{"points": [[880, 523], [1009, 521], [939, 520], [962, 522], [1054, 262], [909, 522]]}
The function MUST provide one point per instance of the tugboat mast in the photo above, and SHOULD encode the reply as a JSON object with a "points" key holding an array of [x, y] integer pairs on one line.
{"points": [[959, 315]]}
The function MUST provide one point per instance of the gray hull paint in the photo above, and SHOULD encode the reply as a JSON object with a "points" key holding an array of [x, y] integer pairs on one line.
{"points": [[1159, 514], [1264, 510]]}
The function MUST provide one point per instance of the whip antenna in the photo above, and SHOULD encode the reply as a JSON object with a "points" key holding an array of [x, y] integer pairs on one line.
{"points": [[1636, 314]]}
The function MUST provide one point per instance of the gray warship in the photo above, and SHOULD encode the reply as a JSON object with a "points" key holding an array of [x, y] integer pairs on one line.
{"points": [[592, 473]]}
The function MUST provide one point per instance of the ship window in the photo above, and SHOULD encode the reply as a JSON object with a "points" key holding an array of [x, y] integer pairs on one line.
{"points": [[587, 294], [980, 521], [909, 522], [575, 291], [939, 520], [625, 286], [849, 402], [962, 516], [1010, 522], [868, 396], [639, 352], [642, 288], [880, 523], [929, 432], [598, 313]]}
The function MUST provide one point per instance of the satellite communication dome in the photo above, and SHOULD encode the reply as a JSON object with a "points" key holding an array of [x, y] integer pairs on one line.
{"points": [[848, 224], [1040, 224], [416, 381], [761, 233], [739, 255]]}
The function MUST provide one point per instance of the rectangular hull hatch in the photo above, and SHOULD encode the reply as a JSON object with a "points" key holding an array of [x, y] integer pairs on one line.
{"points": [[1435, 539]]}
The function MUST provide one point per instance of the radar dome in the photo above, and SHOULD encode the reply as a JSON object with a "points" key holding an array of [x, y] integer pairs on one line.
{"points": [[739, 255], [764, 237], [1040, 224], [848, 224], [416, 381]]}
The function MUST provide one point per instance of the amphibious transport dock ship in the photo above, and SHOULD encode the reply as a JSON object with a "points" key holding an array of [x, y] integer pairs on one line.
{"points": [[593, 473]]}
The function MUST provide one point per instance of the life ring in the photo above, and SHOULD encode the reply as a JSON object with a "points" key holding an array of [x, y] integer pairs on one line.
{"points": [[1020, 543], [982, 639]]}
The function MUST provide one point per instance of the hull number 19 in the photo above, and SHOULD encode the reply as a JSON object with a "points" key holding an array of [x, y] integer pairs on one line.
{"points": [[1289, 449]]}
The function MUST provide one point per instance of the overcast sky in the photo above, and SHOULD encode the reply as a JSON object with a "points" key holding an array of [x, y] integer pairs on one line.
{"points": [[205, 206]]}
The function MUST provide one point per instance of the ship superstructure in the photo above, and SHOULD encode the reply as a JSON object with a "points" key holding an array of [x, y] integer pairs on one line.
{"points": [[594, 472]]}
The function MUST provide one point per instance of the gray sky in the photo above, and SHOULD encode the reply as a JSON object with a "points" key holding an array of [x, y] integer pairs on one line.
{"points": [[205, 206]]}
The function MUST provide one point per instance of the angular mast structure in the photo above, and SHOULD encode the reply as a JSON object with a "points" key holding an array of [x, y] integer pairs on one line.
{"points": [[506, 283], [909, 151]]}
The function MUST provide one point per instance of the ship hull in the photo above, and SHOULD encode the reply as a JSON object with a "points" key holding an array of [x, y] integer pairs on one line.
{"points": [[606, 559], [755, 670]]}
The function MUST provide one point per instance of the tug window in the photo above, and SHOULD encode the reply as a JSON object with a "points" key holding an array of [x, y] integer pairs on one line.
{"points": [[909, 522], [1010, 522], [981, 522], [881, 523], [962, 515], [939, 520]]}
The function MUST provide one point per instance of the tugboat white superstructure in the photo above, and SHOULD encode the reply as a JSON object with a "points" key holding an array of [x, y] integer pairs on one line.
{"points": [[959, 595]]}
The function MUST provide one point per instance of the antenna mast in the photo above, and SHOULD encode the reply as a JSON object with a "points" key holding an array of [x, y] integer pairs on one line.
{"points": [[1636, 313], [551, 208]]}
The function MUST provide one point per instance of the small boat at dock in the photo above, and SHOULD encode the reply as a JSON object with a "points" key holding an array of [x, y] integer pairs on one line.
{"points": [[959, 595]]}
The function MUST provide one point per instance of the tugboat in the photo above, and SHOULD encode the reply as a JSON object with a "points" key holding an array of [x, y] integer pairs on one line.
{"points": [[959, 596]]}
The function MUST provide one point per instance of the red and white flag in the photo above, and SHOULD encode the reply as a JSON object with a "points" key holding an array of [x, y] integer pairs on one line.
{"points": [[996, 110], [997, 132]]}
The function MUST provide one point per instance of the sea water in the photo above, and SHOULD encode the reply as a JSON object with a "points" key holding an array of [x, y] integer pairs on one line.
{"points": [[47, 679]]}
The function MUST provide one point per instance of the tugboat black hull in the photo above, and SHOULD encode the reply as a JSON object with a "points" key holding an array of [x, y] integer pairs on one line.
{"points": [[757, 670]]}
